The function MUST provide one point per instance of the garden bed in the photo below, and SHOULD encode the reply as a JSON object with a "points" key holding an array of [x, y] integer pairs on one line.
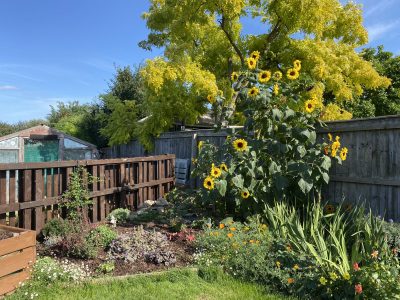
{"points": [[181, 249], [17, 254]]}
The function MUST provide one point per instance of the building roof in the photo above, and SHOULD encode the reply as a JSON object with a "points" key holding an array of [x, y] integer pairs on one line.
{"points": [[50, 131]]}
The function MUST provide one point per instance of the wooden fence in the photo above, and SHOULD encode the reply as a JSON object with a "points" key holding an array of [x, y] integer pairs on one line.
{"points": [[30, 193], [370, 174]]}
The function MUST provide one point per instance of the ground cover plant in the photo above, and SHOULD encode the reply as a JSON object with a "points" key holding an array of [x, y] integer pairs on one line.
{"points": [[174, 284]]}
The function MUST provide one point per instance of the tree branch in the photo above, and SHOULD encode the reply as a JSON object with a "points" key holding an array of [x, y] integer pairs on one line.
{"points": [[231, 41]]}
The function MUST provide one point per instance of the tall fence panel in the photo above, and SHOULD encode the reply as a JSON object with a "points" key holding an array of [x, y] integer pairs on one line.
{"points": [[31, 193]]}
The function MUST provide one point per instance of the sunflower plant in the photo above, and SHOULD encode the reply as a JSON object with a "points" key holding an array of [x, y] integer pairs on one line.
{"points": [[276, 156]]}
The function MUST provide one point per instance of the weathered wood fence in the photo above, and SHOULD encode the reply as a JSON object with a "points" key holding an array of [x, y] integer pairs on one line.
{"points": [[371, 173], [30, 193]]}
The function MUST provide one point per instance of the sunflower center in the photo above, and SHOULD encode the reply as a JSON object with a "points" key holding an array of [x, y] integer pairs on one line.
{"points": [[309, 105], [292, 73], [251, 62], [240, 145], [263, 76], [209, 183]]}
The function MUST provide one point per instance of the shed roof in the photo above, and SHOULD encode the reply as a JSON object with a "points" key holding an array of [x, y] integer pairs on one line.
{"points": [[51, 131]]}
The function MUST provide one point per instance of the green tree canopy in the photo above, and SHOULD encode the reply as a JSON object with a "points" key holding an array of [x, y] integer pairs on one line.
{"points": [[204, 43], [381, 101]]}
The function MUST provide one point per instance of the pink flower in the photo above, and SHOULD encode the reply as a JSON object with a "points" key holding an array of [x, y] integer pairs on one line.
{"points": [[190, 238], [358, 288], [356, 267]]}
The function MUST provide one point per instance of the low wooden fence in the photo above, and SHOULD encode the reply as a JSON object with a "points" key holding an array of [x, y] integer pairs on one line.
{"points": [[30, 193]]}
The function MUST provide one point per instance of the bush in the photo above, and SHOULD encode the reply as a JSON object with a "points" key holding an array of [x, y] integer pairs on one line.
{"points": [[56, 227], [101, 236], [107, 267], [120, 214], [77, 245]]}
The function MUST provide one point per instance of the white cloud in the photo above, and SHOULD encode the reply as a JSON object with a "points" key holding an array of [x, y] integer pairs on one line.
{"points": [[377, 30], [7, 88]]}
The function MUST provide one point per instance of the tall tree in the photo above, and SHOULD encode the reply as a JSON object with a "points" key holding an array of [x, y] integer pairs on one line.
{"points": [[381, 101], [204, 43]]}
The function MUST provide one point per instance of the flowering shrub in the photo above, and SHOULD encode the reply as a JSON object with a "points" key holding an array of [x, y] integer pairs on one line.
{"points": [[277, 155], [48, 271]]}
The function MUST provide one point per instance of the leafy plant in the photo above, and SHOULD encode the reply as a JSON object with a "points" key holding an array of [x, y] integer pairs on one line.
{"points": [[120, 214], [161, 257], [56, 227], [107, 267], [101, 236], [77, 196]]}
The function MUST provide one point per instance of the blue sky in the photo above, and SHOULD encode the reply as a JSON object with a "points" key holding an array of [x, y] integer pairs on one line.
{"points": [[66, 50]]}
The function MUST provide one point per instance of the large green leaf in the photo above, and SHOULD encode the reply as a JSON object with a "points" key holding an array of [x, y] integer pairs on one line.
{"points": [[305, 186], [238, 181]]}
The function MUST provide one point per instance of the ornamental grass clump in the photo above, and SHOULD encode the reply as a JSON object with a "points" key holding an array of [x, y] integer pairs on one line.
{"points": [[277, 155]]}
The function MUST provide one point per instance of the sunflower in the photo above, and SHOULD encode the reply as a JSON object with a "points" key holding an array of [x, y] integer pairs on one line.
{"points": [[240, 145], [292, 74], [208, 183], [277, 75], [334, 153], [335, 145], [337, 138], [215, 171], [343, 153], [245, 194], [264, 76], [253, 92], [211, 99], [255, 55], [234, 76], [224, 167], [329, 209], [276, 89], [309, 106], [297, 65], [251, 63]]}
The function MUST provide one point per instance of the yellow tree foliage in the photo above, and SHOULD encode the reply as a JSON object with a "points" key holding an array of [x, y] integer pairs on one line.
{"points": [[203, 44]]}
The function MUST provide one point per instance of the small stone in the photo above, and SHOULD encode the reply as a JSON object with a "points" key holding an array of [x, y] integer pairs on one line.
{"points": [[146, 204], [162, 202]]}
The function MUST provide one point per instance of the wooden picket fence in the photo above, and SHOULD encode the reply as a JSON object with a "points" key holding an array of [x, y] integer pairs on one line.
{"points": [[30, 193]]}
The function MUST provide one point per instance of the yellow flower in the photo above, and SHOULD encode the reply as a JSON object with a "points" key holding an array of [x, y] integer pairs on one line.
{"points": [[290, 280], [278, 264], [224, 167], [264, 76], [215, 172], [200, 144], [276, 89], [264, 227], [292, 74], [255, 55], [374, 254], [309, 106], [335, 145], [234, 76], [334, 153], [245, 194], [323, 281], [240, 145], [232, 229], [296, 267], [343, 153], [297, 65], [251, 63], [230, 235], [337, 138], [333, 276], [211, 99], [251, 241], [330, 137], [221, 226], [346, 276], [277, 75], [253, 91], [208, 183]]}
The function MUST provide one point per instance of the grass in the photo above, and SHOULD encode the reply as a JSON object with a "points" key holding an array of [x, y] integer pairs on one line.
{"points": [[175, 284]]}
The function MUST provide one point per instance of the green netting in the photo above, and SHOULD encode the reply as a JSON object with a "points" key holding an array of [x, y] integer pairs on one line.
{"points": [[41, 151]]}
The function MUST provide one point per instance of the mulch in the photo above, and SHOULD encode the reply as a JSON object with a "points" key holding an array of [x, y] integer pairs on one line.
{"points": [[182, 249]]}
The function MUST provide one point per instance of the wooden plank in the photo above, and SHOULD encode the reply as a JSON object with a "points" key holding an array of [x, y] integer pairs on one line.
{"points": [[3, 194], [12, 197], [26, 196], [39, 217], [95, 206], [19, 242], [102, 202], [11, 282], [18, 261], [145, 179], [140, 180]]}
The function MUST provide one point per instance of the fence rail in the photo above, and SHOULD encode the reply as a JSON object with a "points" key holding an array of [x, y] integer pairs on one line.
{"points": [[30, 193]]}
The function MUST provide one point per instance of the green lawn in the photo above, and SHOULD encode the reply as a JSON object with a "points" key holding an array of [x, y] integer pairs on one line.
{"points": [[175, 284]]}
